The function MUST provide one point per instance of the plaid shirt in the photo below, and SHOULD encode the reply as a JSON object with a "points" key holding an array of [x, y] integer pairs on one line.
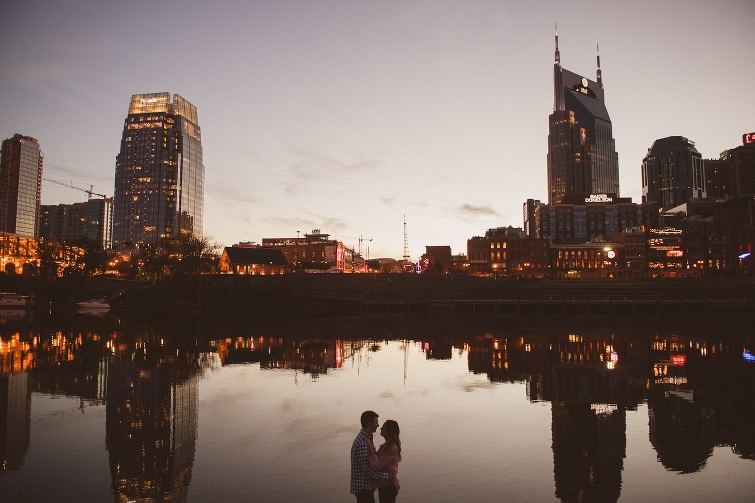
{"points": [[362, 476]]}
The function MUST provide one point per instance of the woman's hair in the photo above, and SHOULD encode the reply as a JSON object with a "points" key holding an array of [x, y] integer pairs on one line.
{"points": [[391, 435]]}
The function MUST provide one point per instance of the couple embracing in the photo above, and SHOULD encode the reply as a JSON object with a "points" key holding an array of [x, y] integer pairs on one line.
{"points": [[375, 468]]}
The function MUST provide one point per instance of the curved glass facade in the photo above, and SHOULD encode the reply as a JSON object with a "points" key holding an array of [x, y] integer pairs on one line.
{"points": [[20, 186], [159, 173]]}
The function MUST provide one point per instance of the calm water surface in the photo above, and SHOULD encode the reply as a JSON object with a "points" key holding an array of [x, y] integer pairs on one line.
{"points": [[112, 408]]}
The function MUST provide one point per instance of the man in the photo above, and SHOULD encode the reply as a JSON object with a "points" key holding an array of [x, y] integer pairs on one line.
{"points": [[362, 476]]}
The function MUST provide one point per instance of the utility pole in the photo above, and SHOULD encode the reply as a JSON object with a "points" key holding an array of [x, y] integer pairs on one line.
{"points": [[407, 257], [296, 252]]}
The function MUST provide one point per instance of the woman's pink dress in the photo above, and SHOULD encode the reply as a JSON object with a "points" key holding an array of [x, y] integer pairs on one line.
{"points": [[385, 461]]}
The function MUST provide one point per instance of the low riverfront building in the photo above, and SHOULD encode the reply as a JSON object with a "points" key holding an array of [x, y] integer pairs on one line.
{"points": [[252, 260]]}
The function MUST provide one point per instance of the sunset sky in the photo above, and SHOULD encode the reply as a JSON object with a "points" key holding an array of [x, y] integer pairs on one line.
{"points": [[347, 115]]}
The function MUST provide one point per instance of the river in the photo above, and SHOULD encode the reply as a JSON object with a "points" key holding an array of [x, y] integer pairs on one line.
{"points": [[176, 408]]}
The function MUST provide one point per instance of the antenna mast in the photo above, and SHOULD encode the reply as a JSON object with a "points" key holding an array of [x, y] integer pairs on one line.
{"points": [[406, 243]]}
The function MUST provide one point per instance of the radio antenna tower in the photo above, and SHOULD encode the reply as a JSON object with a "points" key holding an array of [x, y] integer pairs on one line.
{"points": [[406, 243]]}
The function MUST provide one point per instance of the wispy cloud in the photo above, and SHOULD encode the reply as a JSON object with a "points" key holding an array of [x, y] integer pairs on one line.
{"points": [[325, 165], [289, 223], [475, 211], [229, 195], [331, 225], [55, 78], [308, 162], [390, 201]]}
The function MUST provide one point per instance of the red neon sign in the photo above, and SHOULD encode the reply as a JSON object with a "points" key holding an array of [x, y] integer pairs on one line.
{"points": [[748, 138], [678, 360]]}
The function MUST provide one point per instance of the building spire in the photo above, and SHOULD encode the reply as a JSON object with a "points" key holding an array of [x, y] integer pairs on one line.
{"points": [[600, 77], [558, 81]]}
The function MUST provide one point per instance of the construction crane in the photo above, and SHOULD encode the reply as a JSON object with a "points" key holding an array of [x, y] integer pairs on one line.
{"points": [[89, 192], [359, 239]]}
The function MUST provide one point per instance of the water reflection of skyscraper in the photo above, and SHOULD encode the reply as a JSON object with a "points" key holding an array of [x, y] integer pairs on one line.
{"points": [[702, 394], [589, 397], [589, 446], [72, 366], [681, 433], [151, 425], [311, 356], [15, 419], [16, 358]]}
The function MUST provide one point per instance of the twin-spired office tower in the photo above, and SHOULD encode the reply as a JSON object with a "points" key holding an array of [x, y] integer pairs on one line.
{"points": [[159, 174], [582, 156]]}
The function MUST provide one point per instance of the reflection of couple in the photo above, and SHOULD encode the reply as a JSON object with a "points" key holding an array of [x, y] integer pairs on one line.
{"points": [[370, 468]]}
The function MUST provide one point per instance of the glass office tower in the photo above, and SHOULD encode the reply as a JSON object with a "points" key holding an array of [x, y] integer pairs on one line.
{"points": [[582, 156], [20, 186], [672, 172], [159, 174]]}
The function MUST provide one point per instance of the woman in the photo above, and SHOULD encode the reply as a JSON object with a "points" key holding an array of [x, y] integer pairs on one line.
{"points": [[386, 459]]}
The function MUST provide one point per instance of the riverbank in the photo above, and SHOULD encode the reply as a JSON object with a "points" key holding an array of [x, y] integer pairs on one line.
{"points": [[353, 294]]}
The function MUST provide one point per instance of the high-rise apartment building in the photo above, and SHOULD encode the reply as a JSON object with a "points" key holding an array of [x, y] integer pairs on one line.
{"points": [[672, 172], [582, 156], [733, 173], [92, 219], [740, 163], [719, 179], [20, 186], [159, 174]]}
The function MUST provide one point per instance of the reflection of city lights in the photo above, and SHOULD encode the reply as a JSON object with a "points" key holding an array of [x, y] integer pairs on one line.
{"points": [[603, 409], [612, 357], [671, 380]]}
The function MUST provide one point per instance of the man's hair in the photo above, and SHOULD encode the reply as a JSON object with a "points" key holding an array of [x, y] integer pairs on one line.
{"points": [[367, 417]]}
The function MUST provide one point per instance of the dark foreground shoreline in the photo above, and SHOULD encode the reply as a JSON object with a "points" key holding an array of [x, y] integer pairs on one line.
{"points": [[314, 295]]}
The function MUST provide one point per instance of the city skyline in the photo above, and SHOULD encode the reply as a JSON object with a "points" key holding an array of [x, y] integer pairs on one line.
{"points": [[346, 118]]}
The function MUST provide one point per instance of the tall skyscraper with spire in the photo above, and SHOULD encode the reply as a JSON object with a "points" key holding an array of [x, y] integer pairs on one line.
{"points": [[582, 157], [159, 175]]}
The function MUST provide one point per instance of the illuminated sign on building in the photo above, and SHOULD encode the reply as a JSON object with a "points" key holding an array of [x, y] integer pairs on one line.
{"points": [[611, 254], [668, 230], [598, 198], [748, 139], [674, 253], [678, 360], [151, 100]]}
